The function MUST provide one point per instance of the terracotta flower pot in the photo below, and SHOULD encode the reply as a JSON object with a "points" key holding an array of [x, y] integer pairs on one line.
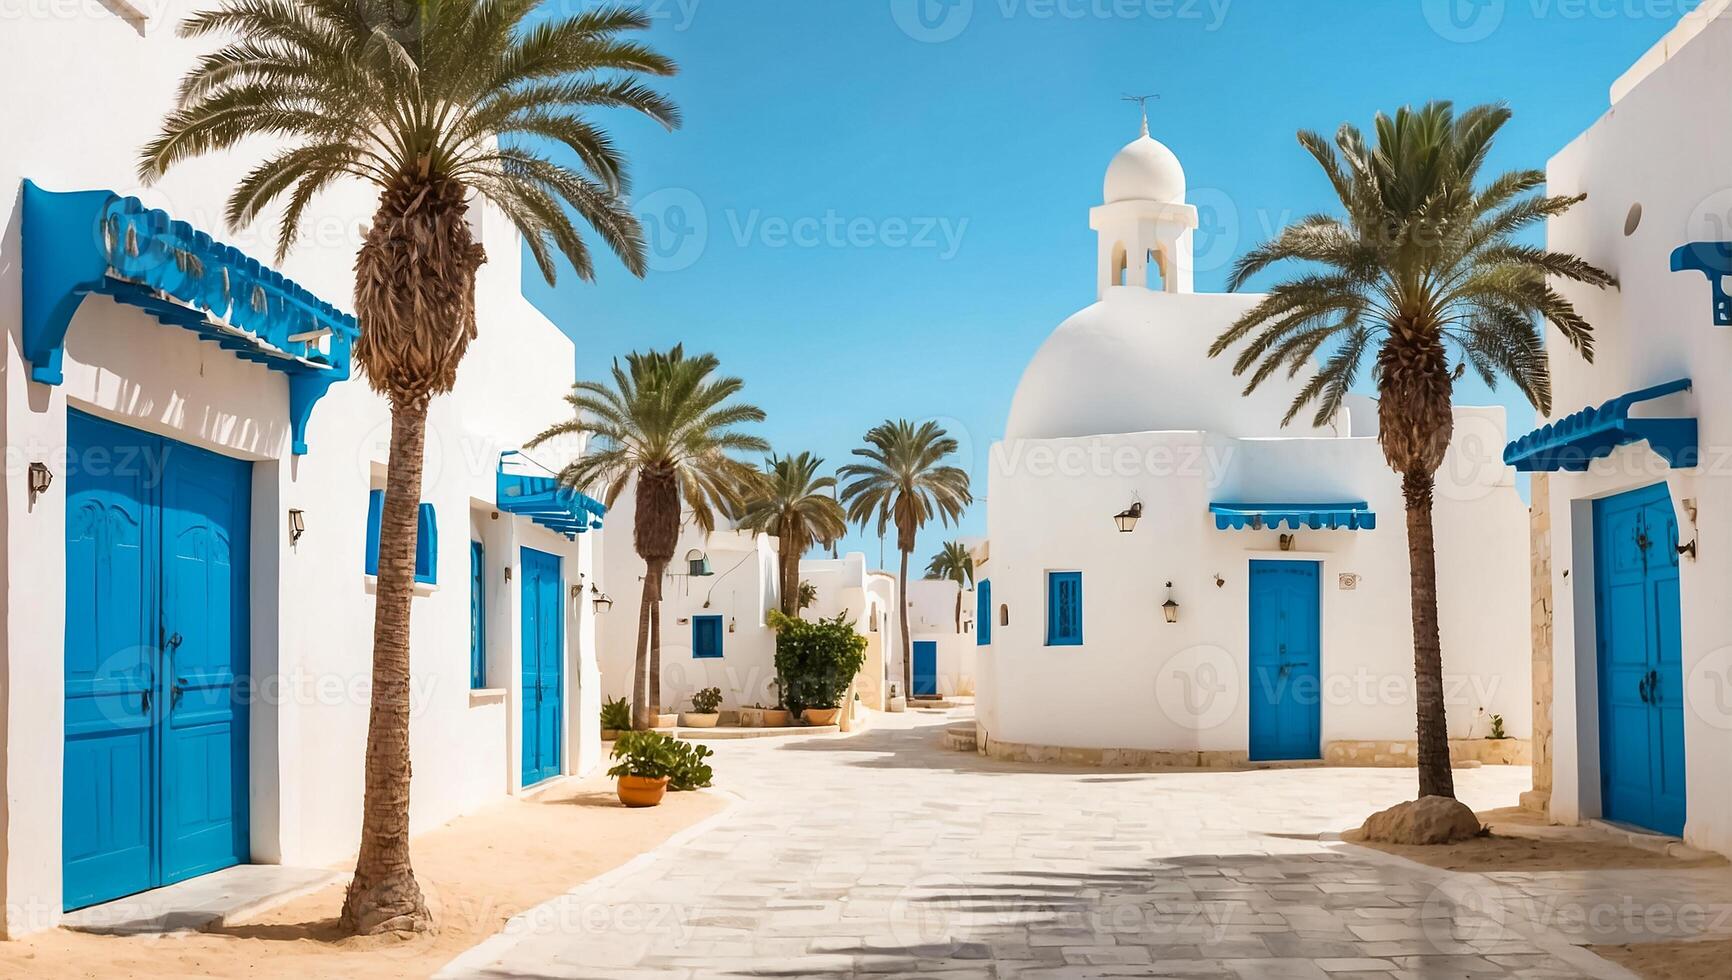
{"points": [[691, 719], [636, 791], [821, 716], [664, 721], [609, 734], [777, 718]]}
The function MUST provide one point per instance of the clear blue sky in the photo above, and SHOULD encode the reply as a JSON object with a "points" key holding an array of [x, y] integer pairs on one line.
{"points": [[879, 208]]}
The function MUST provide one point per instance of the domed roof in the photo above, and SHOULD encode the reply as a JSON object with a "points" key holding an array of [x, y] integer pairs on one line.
{"points": [[1138, 361], [1145, 170]]}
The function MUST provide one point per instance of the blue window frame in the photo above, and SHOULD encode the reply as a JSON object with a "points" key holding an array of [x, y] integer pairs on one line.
{"points": [[706, 637], [983, 613], [477, 618], [1063, 609], [426, 539]]}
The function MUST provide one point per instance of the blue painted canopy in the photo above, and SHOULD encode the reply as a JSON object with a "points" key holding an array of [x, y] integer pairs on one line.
{"points": [[85, 242], [1574, 441], [1714, 260], [1353, 516], [544, 501]]}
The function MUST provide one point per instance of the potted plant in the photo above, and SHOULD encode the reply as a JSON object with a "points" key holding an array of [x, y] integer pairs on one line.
{"points": [[752, 716], [818, 659], [706, 709], [651, 763], [779, 716], [615, 718], [898, 703]]}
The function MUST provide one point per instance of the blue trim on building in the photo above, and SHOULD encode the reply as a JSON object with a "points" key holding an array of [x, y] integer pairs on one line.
{"points": [[1064, 623], [477, 616], [426, 545], [1350, 516], [707, 633], [544, 501], [1714, 260], [84, 242], [983, 613], [1574, 441]]}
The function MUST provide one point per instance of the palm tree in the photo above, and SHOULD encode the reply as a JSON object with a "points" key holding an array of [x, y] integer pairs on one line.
{"points": [[956, 563], [668, 427], [794, 507], [431, 104], [905, 482], [1423, 268]]}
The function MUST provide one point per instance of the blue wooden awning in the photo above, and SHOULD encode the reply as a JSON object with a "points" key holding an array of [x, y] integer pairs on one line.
{"points": [[1352, 516], [84, 242], [1714, 260], [542, 500], [1574, 441]]}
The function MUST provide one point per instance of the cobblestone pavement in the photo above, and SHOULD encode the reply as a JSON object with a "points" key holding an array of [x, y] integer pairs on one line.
{"points": [[884, 854]]}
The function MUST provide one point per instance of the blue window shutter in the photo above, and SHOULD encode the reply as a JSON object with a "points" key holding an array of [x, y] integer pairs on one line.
{"points": [[983, 613], [1063, 609], [706, 637], [477, 619], [426, 545], [375, 511]]}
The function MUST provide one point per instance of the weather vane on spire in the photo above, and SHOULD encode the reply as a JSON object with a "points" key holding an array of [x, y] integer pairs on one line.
{"points": [[1142, 102]]}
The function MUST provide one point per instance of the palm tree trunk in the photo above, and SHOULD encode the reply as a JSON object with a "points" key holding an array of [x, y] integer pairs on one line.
{"points": [[655, 659], [383, 896], [640, 707], [1435, 777], [959, 607], [907, 642]]}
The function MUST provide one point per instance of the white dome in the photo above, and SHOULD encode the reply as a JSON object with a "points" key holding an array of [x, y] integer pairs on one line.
{"points": [[1138, 361], [1145, 170]]}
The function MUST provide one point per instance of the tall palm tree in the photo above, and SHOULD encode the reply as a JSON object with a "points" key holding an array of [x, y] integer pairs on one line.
{"points": [[956, 563], [1422, 269], [430, 103], [793, 506], [670, 428], [905, 482]]}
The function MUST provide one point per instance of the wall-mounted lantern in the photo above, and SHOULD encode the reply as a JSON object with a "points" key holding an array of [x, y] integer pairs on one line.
{"points": [[1170, 609], [599, 599], [1127, 519], [698, 563], [297, 525], [41, 478], [730, 624]]}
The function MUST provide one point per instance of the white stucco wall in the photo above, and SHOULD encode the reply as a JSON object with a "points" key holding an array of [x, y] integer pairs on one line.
{"points": [[311, 604], [1662, 147]]}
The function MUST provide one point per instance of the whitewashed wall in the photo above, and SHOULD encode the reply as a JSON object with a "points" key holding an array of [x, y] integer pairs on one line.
{"points": [[100, 85], [1663, 148]]}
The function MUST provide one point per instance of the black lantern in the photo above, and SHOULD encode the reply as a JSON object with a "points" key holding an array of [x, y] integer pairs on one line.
{"points": [[41, 478], [599, 599], [1170, 609], [1127, 519], [297, 525]]}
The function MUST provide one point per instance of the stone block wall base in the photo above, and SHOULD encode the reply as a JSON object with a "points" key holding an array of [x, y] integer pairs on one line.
{"points": [[1537, 800], [1404, 753], [1107, 758]]}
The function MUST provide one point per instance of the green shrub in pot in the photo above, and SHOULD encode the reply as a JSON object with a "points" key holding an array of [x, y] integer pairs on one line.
{"points": [[817, 660], [653, 755]]}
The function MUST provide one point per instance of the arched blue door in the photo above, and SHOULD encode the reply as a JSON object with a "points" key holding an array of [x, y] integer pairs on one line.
{"points": [[1286, 703], [156, 658], [1640, 660], [543, 666]]}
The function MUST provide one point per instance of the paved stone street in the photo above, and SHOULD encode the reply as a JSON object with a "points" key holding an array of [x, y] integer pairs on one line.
{"points": [[885, 854]]}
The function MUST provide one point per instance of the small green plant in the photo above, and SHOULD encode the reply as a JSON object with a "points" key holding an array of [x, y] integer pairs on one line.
{"points": [[808, 595], [817, 660], [706, 701], [653, 755], [1497, 727], [616, 715]]}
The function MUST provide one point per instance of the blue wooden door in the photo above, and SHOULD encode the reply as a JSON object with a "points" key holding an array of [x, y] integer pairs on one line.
{"points": [[1286, 720], [925, 668], [543, 666], [155, 765], [1640, 660]]}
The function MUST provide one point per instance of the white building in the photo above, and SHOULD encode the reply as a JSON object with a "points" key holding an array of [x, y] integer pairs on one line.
{"points": [[1640, 645], [943, 646], [185, 605], [1283, 551], [716, 599]]}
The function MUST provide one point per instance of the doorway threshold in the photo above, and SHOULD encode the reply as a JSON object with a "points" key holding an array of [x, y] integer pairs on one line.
{"points": [[198, 904]]}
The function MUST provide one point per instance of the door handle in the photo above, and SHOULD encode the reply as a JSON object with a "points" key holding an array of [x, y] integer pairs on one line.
{"points": [[174, 642], [179, 689], [1642, 688], [1653, 687], [144, 702]]}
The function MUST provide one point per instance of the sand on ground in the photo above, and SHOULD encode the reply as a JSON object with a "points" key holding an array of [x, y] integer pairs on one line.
{"points": [[477, 872], [1703, 960], [1518, 842]]}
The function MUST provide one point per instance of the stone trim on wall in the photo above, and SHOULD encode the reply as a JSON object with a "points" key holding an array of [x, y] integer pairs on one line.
{"points": [[1540, 578], [1404, 753], [1065, 755]]}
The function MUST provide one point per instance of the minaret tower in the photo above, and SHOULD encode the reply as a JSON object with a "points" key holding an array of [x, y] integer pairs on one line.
{"points": [[1145, 225]]}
